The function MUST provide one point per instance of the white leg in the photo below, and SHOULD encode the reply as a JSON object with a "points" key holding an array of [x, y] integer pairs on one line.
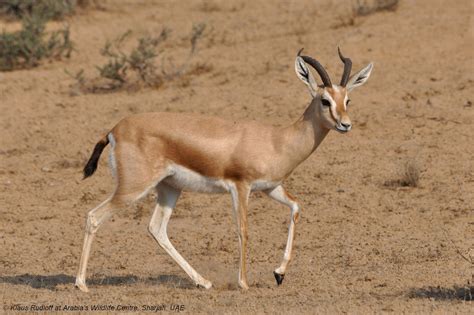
{"points": [[167, 197], [240, 195], [95, 218], [281, 196]]}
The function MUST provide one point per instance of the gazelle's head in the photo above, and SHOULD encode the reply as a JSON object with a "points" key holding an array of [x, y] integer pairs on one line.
{"points": [[331, 100]]}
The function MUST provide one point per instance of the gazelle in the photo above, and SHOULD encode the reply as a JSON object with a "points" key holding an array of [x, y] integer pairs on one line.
{"points": [[173, 152]]}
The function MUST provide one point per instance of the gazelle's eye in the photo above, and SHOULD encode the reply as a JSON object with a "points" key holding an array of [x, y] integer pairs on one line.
{"points": [[325, 102], [347, 103]]}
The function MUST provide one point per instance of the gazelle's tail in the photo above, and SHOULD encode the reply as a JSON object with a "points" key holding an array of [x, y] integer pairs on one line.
{"points": [[91, 165]]}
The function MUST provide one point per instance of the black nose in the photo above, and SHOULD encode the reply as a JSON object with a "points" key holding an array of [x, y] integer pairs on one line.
{"points": [[347, 126]]}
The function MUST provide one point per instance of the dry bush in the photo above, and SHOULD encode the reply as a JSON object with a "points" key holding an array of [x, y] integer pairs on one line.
{"points": [[27, 47], [362, 8], [366, 7], [140, 59], [139, 66], [50, 9], [409, 176]]}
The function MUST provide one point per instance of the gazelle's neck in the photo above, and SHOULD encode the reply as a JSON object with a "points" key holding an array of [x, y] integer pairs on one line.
{"points": [[304, 136]]}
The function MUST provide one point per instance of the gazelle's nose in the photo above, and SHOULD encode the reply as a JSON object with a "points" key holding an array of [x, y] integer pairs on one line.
{"points": [[346, 125]]}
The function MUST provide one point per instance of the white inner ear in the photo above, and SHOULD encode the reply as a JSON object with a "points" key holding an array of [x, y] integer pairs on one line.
{"points": [[305, 75], [360, 77]]}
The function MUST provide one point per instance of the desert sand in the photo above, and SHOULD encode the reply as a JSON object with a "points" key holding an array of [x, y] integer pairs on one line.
{"points": [[364, 244]]}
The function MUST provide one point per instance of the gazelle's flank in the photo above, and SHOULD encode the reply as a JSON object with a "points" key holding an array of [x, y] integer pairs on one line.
{"points": [[174, 152]]}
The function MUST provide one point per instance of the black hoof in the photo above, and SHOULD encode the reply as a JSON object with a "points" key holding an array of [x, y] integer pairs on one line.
{"points": [[278, 277]]}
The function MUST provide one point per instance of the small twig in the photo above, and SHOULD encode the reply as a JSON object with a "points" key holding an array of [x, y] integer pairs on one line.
{"points": [[469, 260]]}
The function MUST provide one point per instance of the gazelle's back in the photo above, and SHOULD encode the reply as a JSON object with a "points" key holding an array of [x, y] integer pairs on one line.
{"points": [[184, 125], [210, 146]]}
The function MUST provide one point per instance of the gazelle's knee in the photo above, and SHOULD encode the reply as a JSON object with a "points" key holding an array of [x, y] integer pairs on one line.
{"points": [[163, 239], [295, 212], [156, 230], [92, 223], [153, 228], [97, 216], [160, 237]]}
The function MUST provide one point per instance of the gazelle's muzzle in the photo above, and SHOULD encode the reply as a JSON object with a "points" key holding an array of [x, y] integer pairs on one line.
{"points": [[343, 127]]}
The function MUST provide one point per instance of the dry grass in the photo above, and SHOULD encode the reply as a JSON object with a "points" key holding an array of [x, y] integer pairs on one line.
{"points": [[409, 176], [363, 8]]}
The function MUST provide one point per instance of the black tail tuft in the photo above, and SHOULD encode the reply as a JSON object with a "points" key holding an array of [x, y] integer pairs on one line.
{"points": [[91, 165]]}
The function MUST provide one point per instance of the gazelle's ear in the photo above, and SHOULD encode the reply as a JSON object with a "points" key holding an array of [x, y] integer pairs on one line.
{"points": [[359, 78], [305, 75]]}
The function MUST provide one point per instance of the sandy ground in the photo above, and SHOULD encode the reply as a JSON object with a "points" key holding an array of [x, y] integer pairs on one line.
{"points": [[362, 245]]}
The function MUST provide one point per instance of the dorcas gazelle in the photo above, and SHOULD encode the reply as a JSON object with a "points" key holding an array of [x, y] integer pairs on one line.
{"points": [[172, 152]]}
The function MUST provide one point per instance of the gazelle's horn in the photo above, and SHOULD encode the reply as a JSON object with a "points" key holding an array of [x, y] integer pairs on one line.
{"points": [[347, 68], [318, 67]]}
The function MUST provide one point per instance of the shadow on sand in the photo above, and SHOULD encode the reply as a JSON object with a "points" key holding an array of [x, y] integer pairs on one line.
{"points": [[51, 281], [463, 293]]}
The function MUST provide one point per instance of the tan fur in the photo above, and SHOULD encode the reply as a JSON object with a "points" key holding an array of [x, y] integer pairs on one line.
{"points": [[338, 95], [212, 147]]}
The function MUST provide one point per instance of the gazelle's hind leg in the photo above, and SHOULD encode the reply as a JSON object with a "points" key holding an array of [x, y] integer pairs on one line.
{"points": [[95, 218], [167, 197], [279, 194], [134, 180]]}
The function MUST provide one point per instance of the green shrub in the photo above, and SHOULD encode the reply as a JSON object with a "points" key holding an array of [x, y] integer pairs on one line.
{"points": [[137, 67], [50, 9], [27, 47], [140, 60]]}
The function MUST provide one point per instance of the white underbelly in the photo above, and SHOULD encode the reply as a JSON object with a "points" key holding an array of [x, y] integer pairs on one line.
{"points": [[260, 185], [185, 179]]}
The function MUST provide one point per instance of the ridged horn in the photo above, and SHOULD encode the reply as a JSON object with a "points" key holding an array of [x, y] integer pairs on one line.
{"points": [[347, 68], [318, 67]]}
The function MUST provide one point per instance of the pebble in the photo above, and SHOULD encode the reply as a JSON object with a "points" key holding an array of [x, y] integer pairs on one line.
{"points": [[46, 169]]}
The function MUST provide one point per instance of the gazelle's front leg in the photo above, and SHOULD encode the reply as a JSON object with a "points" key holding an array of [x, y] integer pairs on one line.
{"points": [[279, 194], [240, 197]]}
